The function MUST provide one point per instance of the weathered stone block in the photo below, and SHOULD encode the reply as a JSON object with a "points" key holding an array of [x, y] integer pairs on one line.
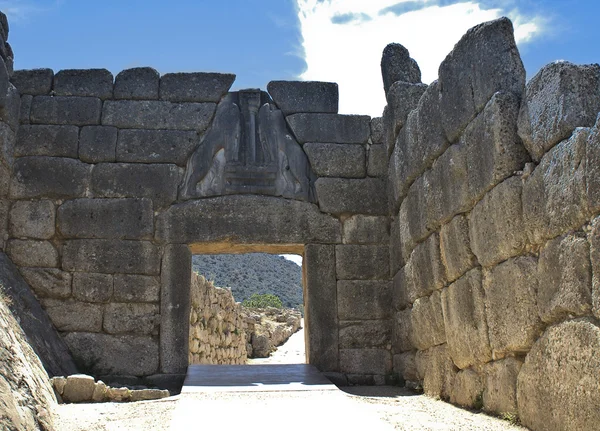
{"points": [[49, 177], [4, 213], [121, 180], [7, 144], [465, 321], [37, 140], [510, 302], [354, 196], [330, 128], [5, 175], [365, 361], [389, 137], [48, 282], [78, 388], [77, 111], [84, 82], [155, 146], [33, 81], [437, 371], [405, 365], [555, 195], [500, 394], [25, 112], [364, 300], [362, 229], [141, 319], [136, 288], [592, 168], [98, 144], [455, 248], [556, 388], [125, 355], [467, 388], [486, 60], [496, 224], [337, 160], [594, 239], [152, 114], [494, 151], [401, 287], [110, 256], [365, 334], [377, 132], [226, 219], [304, 96], [362, 262], [396, 65], [413, 213], [402, 331], [559, 98], [175, 308], [427, 322], [72, 316], [321, 297], [195, 87], [106, 218], [402, 97], [565, 279], [377, 161], [138, 83], [396, 258], [91, 287], [427, 271], [40, 254], [32, 219]]}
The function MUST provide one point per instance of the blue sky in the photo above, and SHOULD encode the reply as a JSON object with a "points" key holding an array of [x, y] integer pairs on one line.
{"points": [[262, 40]]}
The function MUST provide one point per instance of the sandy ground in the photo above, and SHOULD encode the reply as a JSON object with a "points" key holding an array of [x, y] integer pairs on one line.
{"points": [[353, 408]]}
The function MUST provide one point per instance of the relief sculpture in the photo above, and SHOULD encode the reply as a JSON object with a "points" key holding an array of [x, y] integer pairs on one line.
{"points": [[248, 149]]}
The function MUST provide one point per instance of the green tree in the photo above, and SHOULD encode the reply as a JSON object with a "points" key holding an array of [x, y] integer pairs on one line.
{"points": [[262, 301]]}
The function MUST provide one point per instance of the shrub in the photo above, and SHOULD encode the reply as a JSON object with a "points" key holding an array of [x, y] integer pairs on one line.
{"points": [[262, 301]]}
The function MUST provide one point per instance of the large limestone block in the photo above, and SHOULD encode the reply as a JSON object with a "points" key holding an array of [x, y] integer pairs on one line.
{"points": [[32, 253], [557, 388], [364, 334], [592, 168], [111, 256], [330, 128], [155, 146], [377, 160], [496, 225], [559, 98], [401, 286], [455, 248], [133, 318], [377, 132], [130, 180], [227, 219], [125, 355], [138, 83], [565, 279], [467, 388], [8, 141], [48, 282], [397, 65], [486, 60], [106, 218], [402, 331], [437, 371], [362, 262], [364, 300], [427, 272], [406, 367], [352, 196], [555, 195], [77, 111], [195, 86], [413, 214], [321, 320], [84, 82], [136, 288], [72, 316], [39, 140], [494, 151], [25, 111], [157, 115], [427, 322], [402, 97], [397, 259], [10, 113], [500, 394], [79, 388], [98, 144], [33, 81], [363, 229], [92, 287], [594, 240], [304, 96], [510, 303], [365, 361], [49, 177], [337, 160], [465, 320], [32, 219]]}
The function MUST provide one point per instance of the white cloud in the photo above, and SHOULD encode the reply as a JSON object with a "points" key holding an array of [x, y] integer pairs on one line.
{"points": [[349, 52], [19, 10]]}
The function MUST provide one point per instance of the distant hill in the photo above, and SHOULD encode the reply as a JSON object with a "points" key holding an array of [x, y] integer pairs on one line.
{"points": [[252, 273]]}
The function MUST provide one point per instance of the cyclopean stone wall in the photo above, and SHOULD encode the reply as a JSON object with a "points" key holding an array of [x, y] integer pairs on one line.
{"points": [[494, 199]]}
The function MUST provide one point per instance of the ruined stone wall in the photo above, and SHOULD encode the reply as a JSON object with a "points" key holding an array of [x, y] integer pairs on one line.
{"points": [[493, 191], [217, 326]]}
